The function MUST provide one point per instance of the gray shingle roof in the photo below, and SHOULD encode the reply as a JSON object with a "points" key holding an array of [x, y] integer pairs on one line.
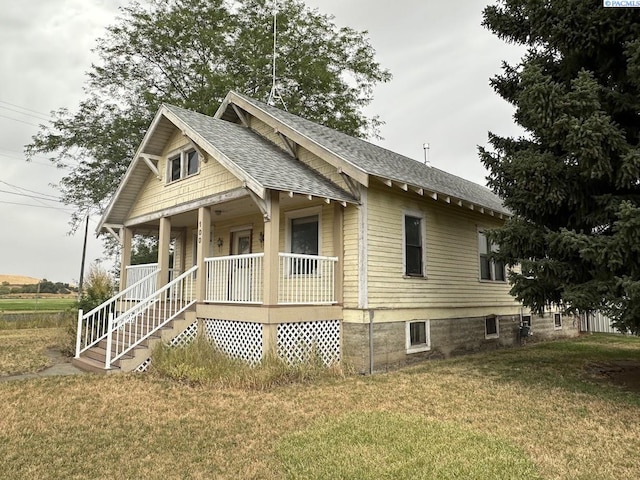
{"points": [[259, 159], [384, 163]]}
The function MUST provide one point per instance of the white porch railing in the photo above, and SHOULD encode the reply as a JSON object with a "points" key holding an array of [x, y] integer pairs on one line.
{"points": [[302, 279], [306, 279], [92, 326], [137, 272], [235, 279], [146, 317]]}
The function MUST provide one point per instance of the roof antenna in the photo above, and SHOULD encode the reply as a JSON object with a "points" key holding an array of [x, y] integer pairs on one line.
{"points": [[425, 146], [274, 95]]}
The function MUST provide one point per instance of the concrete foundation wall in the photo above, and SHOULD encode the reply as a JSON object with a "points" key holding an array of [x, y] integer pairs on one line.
{"points": [[448, 337]]}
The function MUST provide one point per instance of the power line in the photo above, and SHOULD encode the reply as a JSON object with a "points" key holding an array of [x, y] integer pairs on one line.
{"points": [[24, 108], [13, 157], [30, 191], [21, 121], [38, 198], [31, 196], [38, 117], [36, 206], [21, 153]]}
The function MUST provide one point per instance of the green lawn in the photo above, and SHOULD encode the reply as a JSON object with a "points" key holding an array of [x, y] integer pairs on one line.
{"points": [[543, 411], [32, 304]]}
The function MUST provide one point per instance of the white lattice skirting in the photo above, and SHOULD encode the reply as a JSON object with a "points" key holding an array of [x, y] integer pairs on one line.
{"points": [[187, 336], [243, 340], [237, 339], [296, 341], [183, 339]]}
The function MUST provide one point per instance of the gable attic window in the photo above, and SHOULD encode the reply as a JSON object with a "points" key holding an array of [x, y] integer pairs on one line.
{"points": [[413, 245], [182, 165], [490, 269]]}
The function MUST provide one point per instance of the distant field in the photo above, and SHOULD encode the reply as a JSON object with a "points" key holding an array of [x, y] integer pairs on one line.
{"points": [[18, 280], [32, 304]]}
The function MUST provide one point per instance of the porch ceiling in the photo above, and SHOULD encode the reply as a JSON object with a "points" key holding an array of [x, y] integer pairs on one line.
{"points": [[224, 212]]}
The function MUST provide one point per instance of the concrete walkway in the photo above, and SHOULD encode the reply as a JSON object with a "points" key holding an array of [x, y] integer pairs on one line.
{"points": [[61, 366]]}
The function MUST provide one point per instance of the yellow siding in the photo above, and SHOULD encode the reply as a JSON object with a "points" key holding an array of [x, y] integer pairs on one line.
{"points": [[223, 230], [157, 195], [351, 260], [305, 156], [452, 255]]}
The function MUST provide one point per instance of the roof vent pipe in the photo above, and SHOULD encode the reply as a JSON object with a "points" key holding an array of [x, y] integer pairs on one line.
{"points": [[425, 147]]}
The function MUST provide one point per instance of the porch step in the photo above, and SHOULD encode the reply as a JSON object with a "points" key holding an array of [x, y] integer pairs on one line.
{"points": [[92, 366], [92, 360]]}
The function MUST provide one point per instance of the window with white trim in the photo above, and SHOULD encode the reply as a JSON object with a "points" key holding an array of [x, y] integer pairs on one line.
{"points": [[418, 336], [491, 327], [557, 321], [182, 164], [490, 269], [414, 241], [303, 237]]}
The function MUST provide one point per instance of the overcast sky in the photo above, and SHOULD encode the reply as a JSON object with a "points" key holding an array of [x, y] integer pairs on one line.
{"points": [[440, 57]]}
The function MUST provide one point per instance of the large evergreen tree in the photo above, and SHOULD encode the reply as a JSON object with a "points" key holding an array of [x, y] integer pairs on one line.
{"points": [[191, 53], [572, 180]]}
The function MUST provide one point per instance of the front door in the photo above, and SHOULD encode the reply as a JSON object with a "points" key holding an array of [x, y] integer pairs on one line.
{"points": [[241, 242], [240, 284]]}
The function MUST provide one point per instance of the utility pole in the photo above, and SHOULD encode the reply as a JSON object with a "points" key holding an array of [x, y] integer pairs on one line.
{"points": [[84, 255]]}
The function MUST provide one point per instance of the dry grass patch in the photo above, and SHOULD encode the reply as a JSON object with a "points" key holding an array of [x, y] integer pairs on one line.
{"points": [[24, 350], [137, 426]]}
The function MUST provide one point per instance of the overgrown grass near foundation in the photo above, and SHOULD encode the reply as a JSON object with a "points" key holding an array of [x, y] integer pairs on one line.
{"points": [[200, 363]]}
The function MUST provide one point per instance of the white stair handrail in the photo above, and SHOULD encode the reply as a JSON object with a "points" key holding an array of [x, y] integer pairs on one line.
{"points": [[137, 324], [93, 325]]}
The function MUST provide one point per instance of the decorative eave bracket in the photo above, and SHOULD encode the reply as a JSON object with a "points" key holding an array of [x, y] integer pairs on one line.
{"points": [[265, 207], [201, 153], [148, 160], [291, 147], [241, 115], [351, 185], [111, 230]]}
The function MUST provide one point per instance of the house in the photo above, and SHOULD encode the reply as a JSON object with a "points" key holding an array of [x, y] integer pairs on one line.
{"points": [[287, 236]]}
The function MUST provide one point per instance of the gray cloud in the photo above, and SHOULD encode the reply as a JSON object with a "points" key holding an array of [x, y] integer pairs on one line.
{"points": [[440, 56]]}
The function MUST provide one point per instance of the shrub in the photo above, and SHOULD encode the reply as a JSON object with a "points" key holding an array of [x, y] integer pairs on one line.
{"points": [[98, 288]]}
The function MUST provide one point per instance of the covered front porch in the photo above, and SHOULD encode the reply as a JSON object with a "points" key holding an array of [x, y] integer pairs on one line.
{"points": [[283, 251], [253, 287]]}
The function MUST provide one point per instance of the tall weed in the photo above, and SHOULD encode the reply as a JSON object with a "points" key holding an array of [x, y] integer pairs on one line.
{"points": [[201, 363]]}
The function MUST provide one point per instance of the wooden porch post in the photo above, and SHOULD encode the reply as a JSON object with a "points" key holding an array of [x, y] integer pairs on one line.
{"points": [[271, 247], [163, 251], [204, 233], [126, 237], [338, 250], [271, 269]]}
